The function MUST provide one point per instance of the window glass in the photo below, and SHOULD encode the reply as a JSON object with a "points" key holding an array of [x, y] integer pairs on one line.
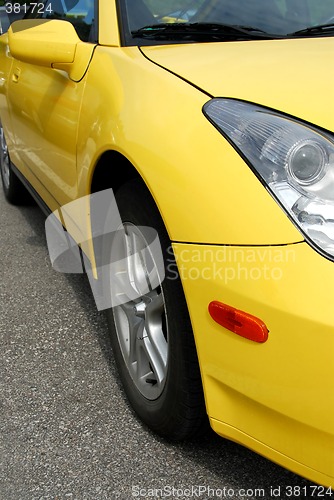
{"points": [[80, 13], [178, 8], [321, 11], [10, 12], [280, 17], [4, 20]]}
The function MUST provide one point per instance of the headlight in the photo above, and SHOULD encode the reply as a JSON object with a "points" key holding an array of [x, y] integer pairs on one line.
{"points": [[294, 160]]}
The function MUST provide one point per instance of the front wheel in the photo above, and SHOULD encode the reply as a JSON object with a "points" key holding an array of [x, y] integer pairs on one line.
{"points": [[151, 333]]}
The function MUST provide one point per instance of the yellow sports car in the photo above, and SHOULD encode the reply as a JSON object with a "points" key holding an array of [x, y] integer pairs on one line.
{"points": [[212, 122]]}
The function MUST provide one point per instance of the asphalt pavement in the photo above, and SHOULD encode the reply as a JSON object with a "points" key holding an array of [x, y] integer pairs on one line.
{"points": [[66, 430]]}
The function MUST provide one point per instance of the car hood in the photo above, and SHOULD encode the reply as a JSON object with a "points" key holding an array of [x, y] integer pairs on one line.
{"points": [[294, 76]]}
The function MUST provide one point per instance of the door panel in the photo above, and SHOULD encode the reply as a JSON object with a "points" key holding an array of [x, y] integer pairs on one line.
{"points": [[45, 108], [45, 104]]}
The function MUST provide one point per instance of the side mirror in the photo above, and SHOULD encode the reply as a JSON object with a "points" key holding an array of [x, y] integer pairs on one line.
{"points": [[51, 43]]}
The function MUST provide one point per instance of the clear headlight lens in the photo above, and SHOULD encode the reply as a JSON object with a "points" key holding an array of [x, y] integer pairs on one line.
{"points": [[295, 161]]}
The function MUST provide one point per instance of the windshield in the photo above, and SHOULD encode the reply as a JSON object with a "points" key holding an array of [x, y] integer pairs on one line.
{"points": [[184, 21]]}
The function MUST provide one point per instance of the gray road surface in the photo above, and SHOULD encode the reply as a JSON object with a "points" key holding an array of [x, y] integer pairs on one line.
{"points": [[66, 429]]}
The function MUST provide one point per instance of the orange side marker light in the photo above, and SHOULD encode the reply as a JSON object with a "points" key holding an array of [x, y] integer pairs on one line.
{"points": [[246, 325]]}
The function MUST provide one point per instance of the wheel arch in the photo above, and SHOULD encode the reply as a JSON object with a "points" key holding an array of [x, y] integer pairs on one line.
{"points": [[113, 170]]}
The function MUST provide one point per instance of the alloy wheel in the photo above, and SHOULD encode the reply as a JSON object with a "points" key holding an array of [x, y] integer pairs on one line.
{"points": [[140, 322]]}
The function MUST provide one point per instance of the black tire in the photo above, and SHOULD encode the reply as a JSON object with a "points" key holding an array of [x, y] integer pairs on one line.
{"points": [[174, 409], [15, 192]]}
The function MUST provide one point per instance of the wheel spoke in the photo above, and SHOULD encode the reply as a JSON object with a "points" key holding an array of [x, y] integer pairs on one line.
{"points": [[136, 266], [122, 269], [152, 273], [130, 328], [154, 341], [142, 367], [157, 357]]}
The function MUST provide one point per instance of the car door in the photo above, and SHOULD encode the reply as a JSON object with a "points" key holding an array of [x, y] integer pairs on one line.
{"points": [[45, 105]]}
